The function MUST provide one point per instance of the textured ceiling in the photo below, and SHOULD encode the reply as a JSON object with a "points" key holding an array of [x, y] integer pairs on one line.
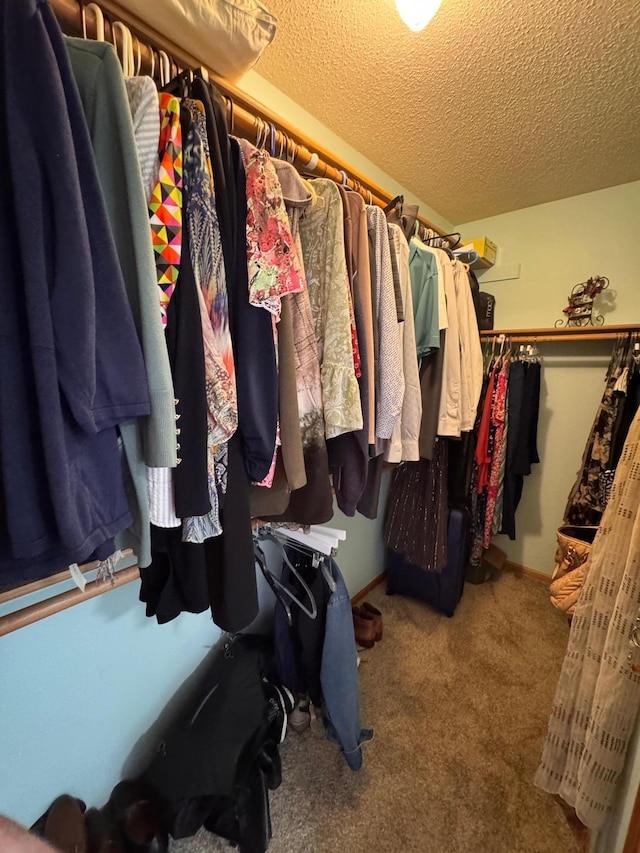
{"points": [[496, 105]]}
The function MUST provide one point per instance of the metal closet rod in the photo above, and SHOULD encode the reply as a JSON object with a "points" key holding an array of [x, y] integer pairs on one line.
{"points": [[563, 333], [244, 113]]}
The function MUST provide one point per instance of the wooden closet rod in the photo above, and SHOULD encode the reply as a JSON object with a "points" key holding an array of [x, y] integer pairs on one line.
{"points": [[244, 113], [57, 603], [563, 333], [14, 592]]}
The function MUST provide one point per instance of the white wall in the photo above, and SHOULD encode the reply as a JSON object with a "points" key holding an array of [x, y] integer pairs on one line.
{"points": [[558, 245]]}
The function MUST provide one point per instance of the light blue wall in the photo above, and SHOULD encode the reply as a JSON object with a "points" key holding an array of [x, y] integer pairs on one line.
{"points": [[361, 555], [79, 690]]}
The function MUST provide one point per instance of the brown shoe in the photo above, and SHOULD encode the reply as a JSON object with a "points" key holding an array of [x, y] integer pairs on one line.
{"points": [[364, 628], [64, 825], [103, 836], [370, 610], [135, 809]]}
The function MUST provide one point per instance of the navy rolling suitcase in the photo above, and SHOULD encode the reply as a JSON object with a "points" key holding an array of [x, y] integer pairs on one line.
{"points": [[442, 590]]}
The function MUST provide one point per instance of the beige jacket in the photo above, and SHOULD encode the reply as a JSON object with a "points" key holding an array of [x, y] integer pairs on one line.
{"points": [[363, 285], [450, 414], [470, 349], [404, 444]]}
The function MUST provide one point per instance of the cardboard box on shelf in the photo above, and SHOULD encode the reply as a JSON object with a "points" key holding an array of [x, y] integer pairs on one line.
{"points": [[486, 250]]}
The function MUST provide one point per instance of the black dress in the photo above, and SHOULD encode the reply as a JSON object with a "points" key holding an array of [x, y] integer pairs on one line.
{"points": [[522, 450], [417, 510]]}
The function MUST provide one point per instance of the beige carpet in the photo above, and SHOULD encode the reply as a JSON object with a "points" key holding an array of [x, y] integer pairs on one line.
{"points": [[460, 707]]}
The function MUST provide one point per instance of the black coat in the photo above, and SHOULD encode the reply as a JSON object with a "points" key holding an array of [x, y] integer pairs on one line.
{"points": [[214, 755], [186, 356]]}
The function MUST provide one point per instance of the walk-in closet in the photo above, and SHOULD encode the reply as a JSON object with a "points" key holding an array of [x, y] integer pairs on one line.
{"points": [[319, 426]]}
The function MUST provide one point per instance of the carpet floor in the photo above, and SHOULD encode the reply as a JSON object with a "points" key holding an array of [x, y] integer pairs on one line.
{"points": [[460, 708]]}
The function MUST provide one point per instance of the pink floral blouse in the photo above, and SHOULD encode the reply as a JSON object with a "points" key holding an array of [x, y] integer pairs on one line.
{"points": [[274, 268]]}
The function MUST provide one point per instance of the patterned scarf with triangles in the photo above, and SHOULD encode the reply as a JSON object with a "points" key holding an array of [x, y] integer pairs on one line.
{"points": [[165, 207]]}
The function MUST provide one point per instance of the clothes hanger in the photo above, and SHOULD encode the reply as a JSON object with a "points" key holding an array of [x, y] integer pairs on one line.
{"points": [[623, 351], [635, 350], [259, 557], [495, 357], [232, 116], [319, 554], [273, 139], [165, 68], [471, 256], [130, 58], [284, 146], [535, 353], [184, 79], [312, 610], [487, 355], [269, 536], [503, 339], [264, 135], [97, 11], [326, 574], [259, 131], [127, 47], [445, 237], [138, 56], [395, 204], [317, 560], [292, 150]]}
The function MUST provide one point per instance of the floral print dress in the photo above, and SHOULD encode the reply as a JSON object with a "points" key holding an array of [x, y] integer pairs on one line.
{"points": [[497, 468]]}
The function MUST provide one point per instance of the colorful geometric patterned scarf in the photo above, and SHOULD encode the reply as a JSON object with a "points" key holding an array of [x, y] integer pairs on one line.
{"points": [[165, 207]]}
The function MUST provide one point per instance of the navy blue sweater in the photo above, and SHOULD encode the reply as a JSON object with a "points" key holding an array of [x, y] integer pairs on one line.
{"points": [[72, 368]]}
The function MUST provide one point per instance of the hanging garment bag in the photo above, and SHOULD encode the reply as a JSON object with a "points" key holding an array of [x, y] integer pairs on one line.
{"points": [[443, 590], [227, 35]]}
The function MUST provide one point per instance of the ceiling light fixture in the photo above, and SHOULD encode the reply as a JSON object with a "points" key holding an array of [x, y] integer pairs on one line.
{"points": [[417, 13]]}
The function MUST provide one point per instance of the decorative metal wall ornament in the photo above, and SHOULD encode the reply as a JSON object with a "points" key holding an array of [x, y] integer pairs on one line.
{"points": [[579, 311]]}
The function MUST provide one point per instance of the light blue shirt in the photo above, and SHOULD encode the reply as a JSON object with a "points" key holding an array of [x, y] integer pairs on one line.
{"points": [[424, 290]]}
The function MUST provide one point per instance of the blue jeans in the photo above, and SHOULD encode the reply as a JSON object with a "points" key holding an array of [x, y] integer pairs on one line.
{"points": [[339, 676]]}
